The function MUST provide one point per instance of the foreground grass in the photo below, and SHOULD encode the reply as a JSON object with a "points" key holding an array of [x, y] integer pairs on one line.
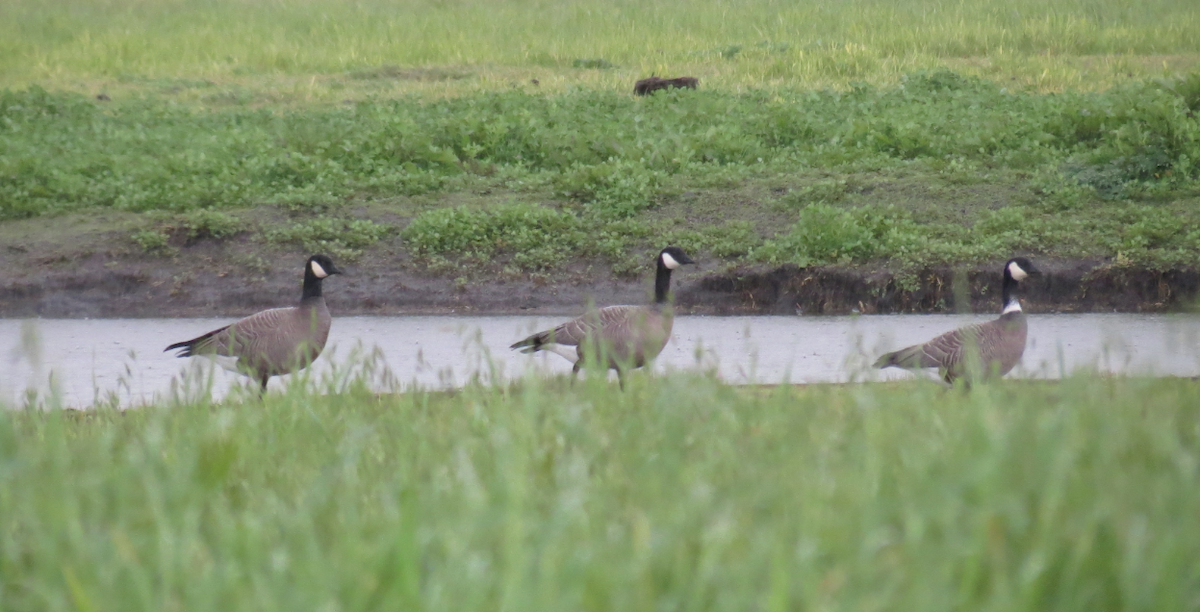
{"points": [[681, 494]]}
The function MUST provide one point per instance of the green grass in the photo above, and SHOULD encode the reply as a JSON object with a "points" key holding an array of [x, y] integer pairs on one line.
{"points": [[595, 174], [415, 129], [611, 151], [318, 48], [681, 494]]}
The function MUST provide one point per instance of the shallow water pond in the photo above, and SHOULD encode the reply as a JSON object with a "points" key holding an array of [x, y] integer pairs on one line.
{"points": [[85, 360]]}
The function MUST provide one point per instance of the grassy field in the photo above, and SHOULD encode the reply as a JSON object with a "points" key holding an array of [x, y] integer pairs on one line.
{"points": [[681, 494], [301, 49], [856, 132], [539, 180]]}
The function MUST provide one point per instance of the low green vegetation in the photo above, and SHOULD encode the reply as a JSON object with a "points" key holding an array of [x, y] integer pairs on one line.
{"points": [[207, 223], [529, 181], [502, 136], [338, 237], [185, 228], [681, 493], [537, 238], [64, 152], [825, 234]]}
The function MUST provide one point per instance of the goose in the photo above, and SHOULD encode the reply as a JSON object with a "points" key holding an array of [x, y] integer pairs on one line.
{"points": [[998, 345], [272, 342], [630, 336]]}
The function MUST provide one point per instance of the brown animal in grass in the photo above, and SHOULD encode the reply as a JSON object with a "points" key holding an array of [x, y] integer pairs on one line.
{"points": [[652, 84]]}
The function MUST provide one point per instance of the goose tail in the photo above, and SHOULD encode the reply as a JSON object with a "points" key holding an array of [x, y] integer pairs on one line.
{"points": [[189, 348], [532, 344], [910, 357]]}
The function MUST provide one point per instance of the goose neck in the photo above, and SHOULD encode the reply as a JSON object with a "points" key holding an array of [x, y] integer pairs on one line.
{"points": [[1009, 294], [662, 283], [312, 287]]}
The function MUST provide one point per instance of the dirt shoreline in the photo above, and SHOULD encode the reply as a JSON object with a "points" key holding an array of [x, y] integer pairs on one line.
{"points": [[198, 286]]}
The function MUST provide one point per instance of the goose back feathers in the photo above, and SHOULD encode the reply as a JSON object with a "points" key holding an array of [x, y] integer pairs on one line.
{"points": [[628, 336]]}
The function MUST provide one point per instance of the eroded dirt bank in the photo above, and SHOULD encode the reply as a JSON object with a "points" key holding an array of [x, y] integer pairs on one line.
{"points": [[1065, 286], [203, 285]]}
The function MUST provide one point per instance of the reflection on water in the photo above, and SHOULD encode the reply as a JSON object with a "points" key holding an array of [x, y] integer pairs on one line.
{"points": [[88, 360]]}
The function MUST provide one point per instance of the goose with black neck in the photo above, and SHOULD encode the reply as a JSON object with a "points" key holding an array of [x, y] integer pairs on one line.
{"points": [[276, 341], [993, 348], [619, 337]]}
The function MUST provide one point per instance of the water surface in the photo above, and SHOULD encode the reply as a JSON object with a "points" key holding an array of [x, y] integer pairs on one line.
{"points": [[83, 360]]}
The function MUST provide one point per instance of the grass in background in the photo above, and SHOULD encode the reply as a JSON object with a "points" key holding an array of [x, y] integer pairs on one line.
{"points": [[595, 174], [439, 47], [399, 109], [681, 494]]}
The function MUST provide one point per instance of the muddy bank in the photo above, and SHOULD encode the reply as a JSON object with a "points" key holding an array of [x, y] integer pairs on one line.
{"points": [[1064, 286], [93, 263], [99, 286]]}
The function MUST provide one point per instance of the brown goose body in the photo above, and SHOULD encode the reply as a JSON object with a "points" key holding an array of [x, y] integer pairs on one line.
{"points": [[999, 345], [626, 336], [629, 336], [994, 347], [272, 342]]}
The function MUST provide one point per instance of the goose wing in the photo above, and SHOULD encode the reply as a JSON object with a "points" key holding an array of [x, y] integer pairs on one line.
{"points": [[1000, 343], [238, 339], [606, 323], [943, 351], [266, 336]]}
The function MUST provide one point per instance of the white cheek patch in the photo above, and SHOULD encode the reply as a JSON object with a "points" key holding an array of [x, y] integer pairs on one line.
{"points": [[669, 261], [318, 270], [1016, 272]]}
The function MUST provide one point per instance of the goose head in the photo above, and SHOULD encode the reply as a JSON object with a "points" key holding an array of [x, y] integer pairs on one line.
{"points": [[1020, 268], [672, 257], [320, 266]]}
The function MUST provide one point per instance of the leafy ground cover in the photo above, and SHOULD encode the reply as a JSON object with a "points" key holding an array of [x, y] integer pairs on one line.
{"points": [[679, 494], [534, 181], [610, 151], [500, 139]]}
